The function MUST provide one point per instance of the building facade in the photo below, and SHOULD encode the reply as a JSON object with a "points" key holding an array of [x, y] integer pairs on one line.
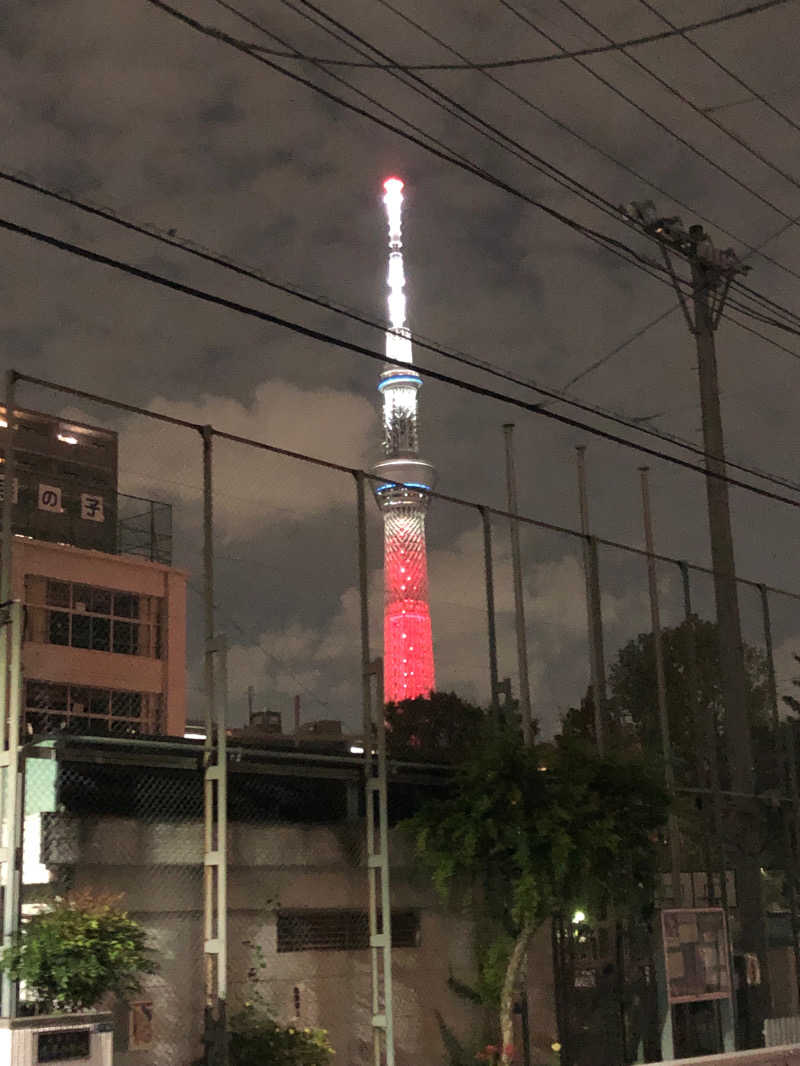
{"points": [[105, 614]]}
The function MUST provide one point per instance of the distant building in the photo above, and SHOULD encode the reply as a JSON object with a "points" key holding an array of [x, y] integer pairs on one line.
{"points": [[105, 613]]}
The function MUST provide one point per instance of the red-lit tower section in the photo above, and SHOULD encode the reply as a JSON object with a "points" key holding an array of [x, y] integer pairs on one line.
{"points": [[403, 495]]}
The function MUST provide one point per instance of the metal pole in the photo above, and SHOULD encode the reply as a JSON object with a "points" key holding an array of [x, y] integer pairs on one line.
{"points": [[12, 806], [6, 546], [752, 927], [519, 602], [208, 663], [661, 689], [702, 729], [594, 617], [490, 613], [214, 795], [363, 589], [783, 770], [222, 832], [10, 466]]}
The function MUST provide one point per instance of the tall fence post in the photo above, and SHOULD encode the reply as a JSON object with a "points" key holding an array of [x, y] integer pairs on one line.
{"points": [[526, 712], [661, 690], [491, 621], [215, 788], [594, 615], [12, 795], [783, 767], [376, 811]]}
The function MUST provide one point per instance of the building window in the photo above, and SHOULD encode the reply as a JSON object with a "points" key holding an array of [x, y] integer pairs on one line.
{"points": [[82, 616], [56, 708], [340, 930]]}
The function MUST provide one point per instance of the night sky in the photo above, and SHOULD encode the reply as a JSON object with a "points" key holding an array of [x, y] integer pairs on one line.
{"points": [[119, 104]]}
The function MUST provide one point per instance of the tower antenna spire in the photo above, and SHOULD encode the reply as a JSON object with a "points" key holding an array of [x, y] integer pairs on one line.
{"points": [[404, 490]]}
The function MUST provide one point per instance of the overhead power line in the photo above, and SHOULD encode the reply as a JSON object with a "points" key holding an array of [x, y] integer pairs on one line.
{"points": [[551, 57], [643, 110], [755, 152], [618, 248], [580, 137], [557, 396], [754, 93], [579, 188], [539, 110], [359, 349]]}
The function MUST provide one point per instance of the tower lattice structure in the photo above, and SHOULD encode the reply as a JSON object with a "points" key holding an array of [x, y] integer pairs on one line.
{"points": [[403, 492]]}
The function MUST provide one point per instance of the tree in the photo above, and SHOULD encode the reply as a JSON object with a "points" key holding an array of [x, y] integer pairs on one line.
{"points": [[540, 830], [792, 702], [75, 952], [693, 682], [438, 728]]}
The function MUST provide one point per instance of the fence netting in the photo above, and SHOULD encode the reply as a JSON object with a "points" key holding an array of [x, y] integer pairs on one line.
{"points": [[114, 716]]}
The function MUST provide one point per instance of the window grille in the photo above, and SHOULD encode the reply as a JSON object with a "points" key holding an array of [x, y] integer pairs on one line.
{"points": [[82, 616], [340, 930], [63, 1045], [52, 707]]}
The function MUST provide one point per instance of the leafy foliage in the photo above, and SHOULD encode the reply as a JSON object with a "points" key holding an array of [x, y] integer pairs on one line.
{"points": [[792, 702], [73, 954], [538, 830], [436, 728], [256, 1039], [693, 678], [549, 826]]}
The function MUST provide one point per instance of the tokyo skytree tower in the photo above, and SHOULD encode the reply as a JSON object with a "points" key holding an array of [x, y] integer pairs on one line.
{"points": [[407, 641]]}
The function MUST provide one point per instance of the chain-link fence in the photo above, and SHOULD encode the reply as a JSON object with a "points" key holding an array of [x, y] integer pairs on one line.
{"points": [[121, 681]]}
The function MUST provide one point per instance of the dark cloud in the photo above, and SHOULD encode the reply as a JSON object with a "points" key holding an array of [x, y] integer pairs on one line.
{"points": [[124, 106]]}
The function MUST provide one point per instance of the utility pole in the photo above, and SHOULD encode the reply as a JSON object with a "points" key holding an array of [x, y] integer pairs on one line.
{"points": [[712, 272]]}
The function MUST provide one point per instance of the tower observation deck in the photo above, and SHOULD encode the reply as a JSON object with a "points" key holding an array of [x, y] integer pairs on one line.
{"points": [[403, 492]]}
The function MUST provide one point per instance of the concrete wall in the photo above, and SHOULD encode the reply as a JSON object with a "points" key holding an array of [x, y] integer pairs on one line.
{"points": [[135, 673], [157, 866]]}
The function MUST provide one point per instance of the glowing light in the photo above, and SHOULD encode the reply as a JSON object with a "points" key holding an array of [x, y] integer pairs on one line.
{"points": [[408, 644], [194, 736], [67, 438], [578, 918], [356, 749], [3, 424]]}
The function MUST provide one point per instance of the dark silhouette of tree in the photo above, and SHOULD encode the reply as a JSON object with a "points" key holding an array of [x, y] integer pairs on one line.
{"points": [[694, 696], [436, 728]]}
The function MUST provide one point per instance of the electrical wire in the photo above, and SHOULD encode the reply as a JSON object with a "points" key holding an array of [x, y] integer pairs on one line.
{"points": [[581, 138], [611, 244], [698, 110], [526, 100], [587, 194], [358, 349], [595, 199], [755, 152], [615, 246], [171, 240], [754, 93], [642, 110], [451, 106], [551, 57]]}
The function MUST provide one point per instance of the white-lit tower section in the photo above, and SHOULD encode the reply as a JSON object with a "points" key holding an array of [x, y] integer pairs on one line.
{"points": [[403, 495]]}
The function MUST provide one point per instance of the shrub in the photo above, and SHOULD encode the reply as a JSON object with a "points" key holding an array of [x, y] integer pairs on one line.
{"points": [[256, 1038], [75, 952]]}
